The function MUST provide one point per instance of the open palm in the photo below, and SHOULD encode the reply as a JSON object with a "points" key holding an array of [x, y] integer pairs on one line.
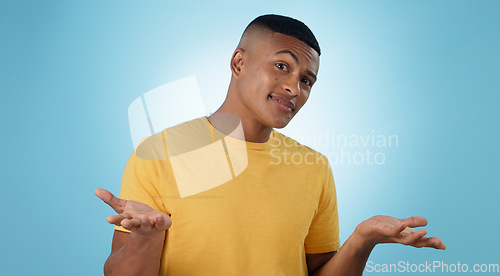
{"points": [[134, 216], [385, 229]]}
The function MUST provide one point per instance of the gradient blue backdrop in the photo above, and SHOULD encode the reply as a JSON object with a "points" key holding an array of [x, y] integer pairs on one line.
{"points": [[426, 71]]}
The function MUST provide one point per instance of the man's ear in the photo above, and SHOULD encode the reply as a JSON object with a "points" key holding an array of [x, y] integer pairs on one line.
{"points": [[239, 56]]}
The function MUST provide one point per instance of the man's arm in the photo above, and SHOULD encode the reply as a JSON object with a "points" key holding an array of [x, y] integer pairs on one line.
{"points": [[132, 254], [137, 253], [352, 256], [315, 261]]}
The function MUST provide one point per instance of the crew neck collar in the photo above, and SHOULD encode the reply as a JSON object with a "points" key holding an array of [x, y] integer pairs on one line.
{"points": [[250, 145]]}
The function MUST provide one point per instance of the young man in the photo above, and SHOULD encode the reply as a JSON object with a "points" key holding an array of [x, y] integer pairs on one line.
{"points": [[260, 216]]}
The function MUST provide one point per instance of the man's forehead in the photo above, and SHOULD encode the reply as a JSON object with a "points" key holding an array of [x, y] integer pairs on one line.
{"points": [[280, 44], [282, 40], [265, 42], [257, 35]]}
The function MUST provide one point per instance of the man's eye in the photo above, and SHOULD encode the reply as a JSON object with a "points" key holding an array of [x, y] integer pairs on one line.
{"points": [[282, 66], [307, 82]]}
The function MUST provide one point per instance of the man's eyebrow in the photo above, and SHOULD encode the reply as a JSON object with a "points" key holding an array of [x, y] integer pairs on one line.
{"points": [[310, 73], [288, 52]]}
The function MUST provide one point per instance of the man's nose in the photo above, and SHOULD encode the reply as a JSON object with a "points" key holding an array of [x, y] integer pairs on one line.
{"points": [[292, 86]]}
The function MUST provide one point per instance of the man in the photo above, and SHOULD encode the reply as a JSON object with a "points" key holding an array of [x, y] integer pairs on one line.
{"points": [[265, 217]]}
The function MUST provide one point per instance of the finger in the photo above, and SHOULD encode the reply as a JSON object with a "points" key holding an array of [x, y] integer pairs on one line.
{"points": [[414, 237], [414, 221], [439, 244], [145, 223], [116, 219], [106, 196], [131, 224], [159, 221], [422, 242], [163, 222], [432, 242], [399, 228], [406, 232]]}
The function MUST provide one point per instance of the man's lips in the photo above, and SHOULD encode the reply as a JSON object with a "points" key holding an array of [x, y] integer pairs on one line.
{"points": [[284, 102]]}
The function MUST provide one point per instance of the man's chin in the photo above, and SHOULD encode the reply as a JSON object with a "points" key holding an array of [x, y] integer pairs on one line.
{"points": [[281, 123]]}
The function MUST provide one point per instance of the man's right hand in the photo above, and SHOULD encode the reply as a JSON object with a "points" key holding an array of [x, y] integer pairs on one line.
{"points": [[135, 216]]}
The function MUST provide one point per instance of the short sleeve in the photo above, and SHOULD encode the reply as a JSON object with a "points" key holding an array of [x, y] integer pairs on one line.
{"points": [[140, 183], [323, 233]]}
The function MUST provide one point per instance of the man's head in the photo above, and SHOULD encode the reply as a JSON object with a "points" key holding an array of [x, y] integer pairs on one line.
{"points": [[284, 25], [273, 70]]}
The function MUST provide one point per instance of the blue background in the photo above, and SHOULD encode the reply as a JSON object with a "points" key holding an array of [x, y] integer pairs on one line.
{"points": [[426, 71]]}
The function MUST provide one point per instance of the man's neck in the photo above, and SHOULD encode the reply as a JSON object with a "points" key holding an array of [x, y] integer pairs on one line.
{"points": [[253, 131]]}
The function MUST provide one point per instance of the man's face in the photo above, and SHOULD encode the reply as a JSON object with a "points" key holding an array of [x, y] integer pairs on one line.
{"points": [[276, 78]]}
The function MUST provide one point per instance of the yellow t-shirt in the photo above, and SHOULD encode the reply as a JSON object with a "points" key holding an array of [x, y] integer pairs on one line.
{"points": [[237, 208]]}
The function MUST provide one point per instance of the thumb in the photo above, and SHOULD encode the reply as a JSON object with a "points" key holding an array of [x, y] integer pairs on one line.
{"points": [[414, 221], [116, 203]]}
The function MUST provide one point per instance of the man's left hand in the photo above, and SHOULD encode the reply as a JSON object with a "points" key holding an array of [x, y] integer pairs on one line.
{"points": [[385, 229]]}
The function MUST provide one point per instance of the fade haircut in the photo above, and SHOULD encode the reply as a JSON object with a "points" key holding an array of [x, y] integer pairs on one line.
{"points": [[287, 26]]}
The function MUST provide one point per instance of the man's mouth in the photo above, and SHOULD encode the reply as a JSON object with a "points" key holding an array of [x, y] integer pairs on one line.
{"points": [[283, 103]]}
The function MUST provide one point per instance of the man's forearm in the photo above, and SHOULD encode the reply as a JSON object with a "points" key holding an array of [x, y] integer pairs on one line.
{"points": [[349, 260], [138, 256]]}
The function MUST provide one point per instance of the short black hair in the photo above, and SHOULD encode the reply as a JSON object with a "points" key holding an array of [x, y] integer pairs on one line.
{"points": [[287, 26]]}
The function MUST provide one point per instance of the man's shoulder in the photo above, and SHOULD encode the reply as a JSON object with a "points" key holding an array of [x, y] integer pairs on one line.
{"points": [[284, 140], [160, 145], [291, 146], [193, 126]]}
